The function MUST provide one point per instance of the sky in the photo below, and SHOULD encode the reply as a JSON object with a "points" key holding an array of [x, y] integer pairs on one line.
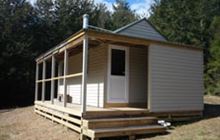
{"points": [[140, 6]]}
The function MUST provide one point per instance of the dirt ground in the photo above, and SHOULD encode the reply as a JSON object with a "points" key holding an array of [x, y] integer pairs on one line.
{"points": [[24, 124]]}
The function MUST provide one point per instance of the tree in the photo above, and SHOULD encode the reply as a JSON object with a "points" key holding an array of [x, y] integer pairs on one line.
{"points": [[122, 14], [185, 21], [45, 31], [180, 21], [103, 17], [212, 77], [17, 18], [62, 18]]}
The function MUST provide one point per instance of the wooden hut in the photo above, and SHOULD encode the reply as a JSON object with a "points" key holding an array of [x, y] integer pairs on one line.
{"points": [[104, 83]]}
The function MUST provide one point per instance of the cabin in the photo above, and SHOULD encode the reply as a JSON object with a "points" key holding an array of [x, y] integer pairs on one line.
{"points": [[103, 83]]}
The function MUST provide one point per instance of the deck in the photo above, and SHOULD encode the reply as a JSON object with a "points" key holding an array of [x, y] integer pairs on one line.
{"points": [[100, 122], [92, 112], [97, 122]]}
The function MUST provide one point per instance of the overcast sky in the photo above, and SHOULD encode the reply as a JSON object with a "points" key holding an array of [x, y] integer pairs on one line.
{"points": [[140, 6]]}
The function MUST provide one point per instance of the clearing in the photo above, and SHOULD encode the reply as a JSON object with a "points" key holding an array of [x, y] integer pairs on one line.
{"points": [[24, 124]]}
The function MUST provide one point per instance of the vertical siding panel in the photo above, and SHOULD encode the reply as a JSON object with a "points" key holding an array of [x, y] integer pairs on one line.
{"points": [[176, 78]]}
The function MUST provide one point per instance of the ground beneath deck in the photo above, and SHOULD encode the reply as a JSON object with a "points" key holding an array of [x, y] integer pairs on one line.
{"points": [[24, 124]]}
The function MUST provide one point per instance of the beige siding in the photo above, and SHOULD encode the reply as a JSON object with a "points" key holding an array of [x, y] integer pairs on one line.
{"points": [[96, 76], [142, 29], [74, 84], [175, 79], [138, 75]]}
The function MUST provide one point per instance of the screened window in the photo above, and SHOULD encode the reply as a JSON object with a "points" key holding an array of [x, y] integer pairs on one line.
{"points": [[118, 62]]}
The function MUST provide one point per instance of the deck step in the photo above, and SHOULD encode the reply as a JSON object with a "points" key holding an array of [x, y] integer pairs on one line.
{"points": [[124, 131], [118, 122], [116, 113]]}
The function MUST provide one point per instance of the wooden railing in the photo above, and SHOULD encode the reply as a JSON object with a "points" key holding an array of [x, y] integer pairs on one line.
{"points": [[60, 77]]}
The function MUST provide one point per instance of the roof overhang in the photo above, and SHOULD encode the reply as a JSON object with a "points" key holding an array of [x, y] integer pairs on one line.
{"points": [[77, 38], [73, 40], [114, 37]]}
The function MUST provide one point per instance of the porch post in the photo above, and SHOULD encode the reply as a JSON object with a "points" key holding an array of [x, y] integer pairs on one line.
{"points": [[43, 82], [36, 83], [65, 71], [59, 74], [84, 73], [52, 80]]}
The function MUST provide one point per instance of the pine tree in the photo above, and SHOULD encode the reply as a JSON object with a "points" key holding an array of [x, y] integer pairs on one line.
{"points": [[212, 77], [122, 14], [17, 18], [103, 17]]}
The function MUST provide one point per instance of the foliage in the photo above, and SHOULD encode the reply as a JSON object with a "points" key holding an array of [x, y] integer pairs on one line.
{"points": [[17, 18], [212, 77], [122, 14]]}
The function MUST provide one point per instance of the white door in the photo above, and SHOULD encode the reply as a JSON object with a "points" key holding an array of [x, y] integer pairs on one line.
{"points": [[118, 75]]}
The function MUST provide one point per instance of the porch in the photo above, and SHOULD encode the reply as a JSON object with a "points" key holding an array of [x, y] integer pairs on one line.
{"points": [[93, 112], [80, 72]]}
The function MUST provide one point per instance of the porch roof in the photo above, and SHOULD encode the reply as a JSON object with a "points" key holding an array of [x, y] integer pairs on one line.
{"points": [[107, 36]]}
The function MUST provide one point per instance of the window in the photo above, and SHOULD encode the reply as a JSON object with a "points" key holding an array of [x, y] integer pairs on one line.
{"points": [[118, 62]]}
